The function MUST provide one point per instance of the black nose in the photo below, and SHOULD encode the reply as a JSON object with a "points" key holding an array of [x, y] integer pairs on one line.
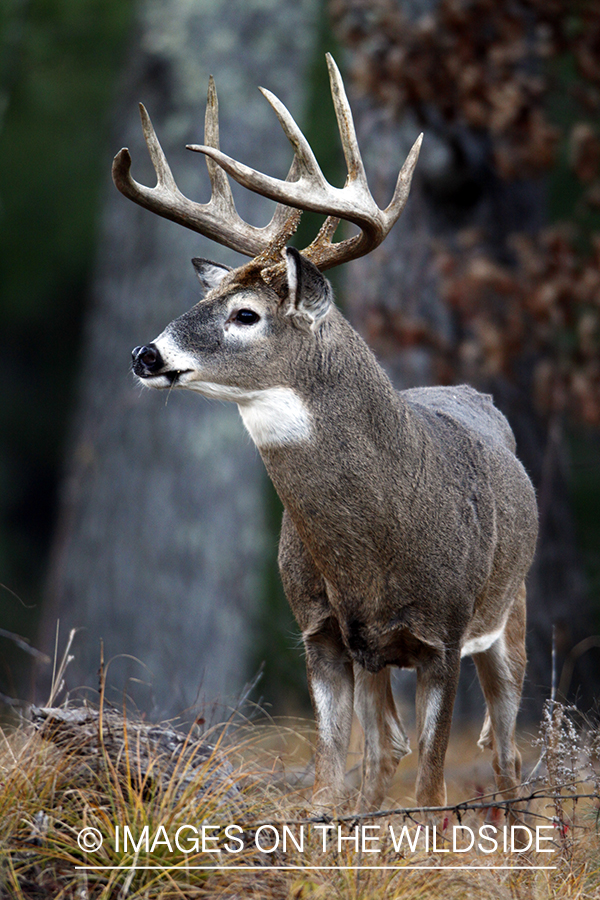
{"points": [[146, 360]]}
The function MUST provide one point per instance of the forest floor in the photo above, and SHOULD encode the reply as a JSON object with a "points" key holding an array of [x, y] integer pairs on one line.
{"points": [[95, 806]]}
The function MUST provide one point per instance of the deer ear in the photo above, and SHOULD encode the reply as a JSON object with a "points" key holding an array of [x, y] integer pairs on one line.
{"points": [[309, 293], [210, 274]]}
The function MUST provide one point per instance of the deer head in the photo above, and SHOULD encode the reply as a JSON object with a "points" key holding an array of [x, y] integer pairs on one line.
{"points": [[264, 312]]}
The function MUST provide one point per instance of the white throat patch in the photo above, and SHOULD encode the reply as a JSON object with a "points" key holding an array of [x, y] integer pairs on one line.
{"points": [[275, 417]]}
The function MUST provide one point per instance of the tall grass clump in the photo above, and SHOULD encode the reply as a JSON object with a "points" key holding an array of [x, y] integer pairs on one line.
{"points": [[75, 767]]}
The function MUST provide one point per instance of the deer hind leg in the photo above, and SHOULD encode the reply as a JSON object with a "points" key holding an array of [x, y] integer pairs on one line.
{"points": [[331, 685], [386, 741], [437, 681], [485, 738], [501, 669]]}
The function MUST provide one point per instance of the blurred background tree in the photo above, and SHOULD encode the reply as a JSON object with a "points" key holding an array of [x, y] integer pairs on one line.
{"points": [[166, 562], [164, 528], [58, 60]]}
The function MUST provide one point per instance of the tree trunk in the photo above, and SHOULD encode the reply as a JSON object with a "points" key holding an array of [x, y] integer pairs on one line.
{"points": [[161, 544]]}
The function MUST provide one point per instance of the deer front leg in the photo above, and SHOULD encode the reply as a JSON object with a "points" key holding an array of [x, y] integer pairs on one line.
{"points": [[328, 666], [331, 685], [437, 681]]}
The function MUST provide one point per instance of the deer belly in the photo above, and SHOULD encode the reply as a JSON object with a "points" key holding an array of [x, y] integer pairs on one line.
{"points": [[399, 647]]}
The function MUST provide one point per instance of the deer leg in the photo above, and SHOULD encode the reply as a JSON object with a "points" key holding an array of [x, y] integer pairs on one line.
{"points": [[385, 739], [485, 738], [331, 686], [437, 681], [501, 669], [328, 666]]}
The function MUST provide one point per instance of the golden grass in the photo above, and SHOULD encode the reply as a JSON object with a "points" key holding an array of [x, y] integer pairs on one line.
{"points": [[48, 794]]}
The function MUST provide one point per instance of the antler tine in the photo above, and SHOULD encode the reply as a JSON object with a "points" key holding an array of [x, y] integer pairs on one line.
{"points": [[221, 190], [218, 219], [307, 160], [159, 160], [402, 190], [282, 224], [311, 191], [343, 114]]}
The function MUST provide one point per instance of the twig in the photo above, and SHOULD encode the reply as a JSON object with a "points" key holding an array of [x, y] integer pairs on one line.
{"points": [[553, 683], [572, 657], [24, 644], [58, 676], [12, 701]]}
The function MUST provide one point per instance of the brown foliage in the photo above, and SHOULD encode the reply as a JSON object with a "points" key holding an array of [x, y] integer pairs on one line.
{"points": [[545, 309], [478, 63], [492, 69]]}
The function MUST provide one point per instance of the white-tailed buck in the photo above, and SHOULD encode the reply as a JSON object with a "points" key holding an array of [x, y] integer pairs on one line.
{"points": [[409, 523]]}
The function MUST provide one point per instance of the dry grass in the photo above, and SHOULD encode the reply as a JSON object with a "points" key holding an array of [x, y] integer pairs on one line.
{"points": [[48, 794]]}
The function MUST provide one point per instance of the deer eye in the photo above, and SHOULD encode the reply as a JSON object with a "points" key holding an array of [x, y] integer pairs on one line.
{"points": [[246, 317]]}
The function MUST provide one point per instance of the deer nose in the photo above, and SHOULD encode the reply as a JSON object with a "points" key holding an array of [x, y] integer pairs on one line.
{"points": [[146, 360]]}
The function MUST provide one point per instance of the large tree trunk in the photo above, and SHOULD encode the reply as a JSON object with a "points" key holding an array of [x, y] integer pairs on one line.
{"points": [[161, 544]]}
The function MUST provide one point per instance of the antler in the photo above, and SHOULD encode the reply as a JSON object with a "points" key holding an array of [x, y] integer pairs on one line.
{"points": [[305, 188], [311, 191], [218, 219]]}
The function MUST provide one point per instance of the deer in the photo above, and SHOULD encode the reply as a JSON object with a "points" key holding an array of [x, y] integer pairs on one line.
{"points": [[409, 523]]}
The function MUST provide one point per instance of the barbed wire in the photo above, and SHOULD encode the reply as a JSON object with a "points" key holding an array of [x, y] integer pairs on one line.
{"points": [[475, 804]]}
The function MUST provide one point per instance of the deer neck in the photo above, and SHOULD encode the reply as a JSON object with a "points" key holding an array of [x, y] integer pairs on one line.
{"points": [[354, 427]]}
